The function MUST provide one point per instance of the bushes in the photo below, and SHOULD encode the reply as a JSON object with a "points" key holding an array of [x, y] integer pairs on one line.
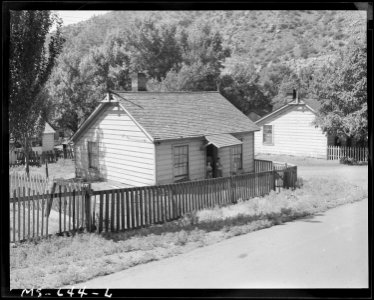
{"points": [[345, 160]]}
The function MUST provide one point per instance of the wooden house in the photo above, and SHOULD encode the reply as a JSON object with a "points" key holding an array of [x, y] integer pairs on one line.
{"points": [[289, 130], [150, 138]]}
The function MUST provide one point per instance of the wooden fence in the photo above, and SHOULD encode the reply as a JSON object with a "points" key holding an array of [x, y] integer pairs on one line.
{"points": [[336, 152], [130, 208], [36, 182], [263, 165], [59, 210]]}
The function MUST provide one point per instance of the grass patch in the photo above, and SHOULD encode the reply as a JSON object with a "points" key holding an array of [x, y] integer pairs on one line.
{"points": [[62, 261], [63, 168]]}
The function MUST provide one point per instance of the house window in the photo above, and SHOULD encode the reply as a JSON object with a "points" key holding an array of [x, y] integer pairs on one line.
{"points": [[268, 135], [236, 158], [180, 163], [93, 155]]}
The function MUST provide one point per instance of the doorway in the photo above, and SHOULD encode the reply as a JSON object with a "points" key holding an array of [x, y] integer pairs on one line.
{"points": [[211, 156]]}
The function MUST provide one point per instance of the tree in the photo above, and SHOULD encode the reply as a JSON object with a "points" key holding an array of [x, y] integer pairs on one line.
{"points": [[203, 56], [242, 89], [69, 89], [154, 48], [80, 82], [272, 77], [32, 55], [342, 91]]}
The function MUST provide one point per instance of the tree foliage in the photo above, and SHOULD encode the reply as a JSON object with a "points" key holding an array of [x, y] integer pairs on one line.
{"points": [[342, 90], [32, 55], [79, 83], [154, 48], [202, 61], [243, 89]]}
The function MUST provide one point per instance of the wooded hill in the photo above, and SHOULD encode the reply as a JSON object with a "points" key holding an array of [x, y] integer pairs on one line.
{"points": [[252, 57], [257, 37]]}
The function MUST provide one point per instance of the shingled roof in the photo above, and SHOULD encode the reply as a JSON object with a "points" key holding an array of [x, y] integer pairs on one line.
{"points": [[173, 115]]}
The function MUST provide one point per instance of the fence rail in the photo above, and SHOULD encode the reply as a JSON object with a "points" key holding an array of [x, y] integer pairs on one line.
{"points": [[68, 209], [337, 152]]}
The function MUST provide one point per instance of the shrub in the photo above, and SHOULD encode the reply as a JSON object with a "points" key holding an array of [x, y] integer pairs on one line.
{"points": [[349, 161]]}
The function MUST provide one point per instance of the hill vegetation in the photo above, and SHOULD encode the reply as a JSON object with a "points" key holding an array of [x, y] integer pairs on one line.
{"points": [[253, 57], [257, 37]]}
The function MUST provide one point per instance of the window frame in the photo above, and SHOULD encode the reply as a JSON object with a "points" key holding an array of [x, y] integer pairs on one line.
{"points": [[181, 177], [269, 143], [93, 158]]}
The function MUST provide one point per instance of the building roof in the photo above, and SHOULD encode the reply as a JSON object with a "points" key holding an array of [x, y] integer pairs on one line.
{"points": [[222, 140], [254, 116], [174, 115], [48, 129], [313, 104]]}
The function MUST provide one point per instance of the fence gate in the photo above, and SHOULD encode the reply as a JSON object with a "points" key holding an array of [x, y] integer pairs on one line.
{"points": [[285, 177]]}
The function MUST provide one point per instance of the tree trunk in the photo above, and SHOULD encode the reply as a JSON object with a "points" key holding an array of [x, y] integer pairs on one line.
{"points": [[27, 153]]}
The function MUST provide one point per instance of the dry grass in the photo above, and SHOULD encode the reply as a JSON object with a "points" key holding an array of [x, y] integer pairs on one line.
{"points": [[63, 168], [64, 261]]}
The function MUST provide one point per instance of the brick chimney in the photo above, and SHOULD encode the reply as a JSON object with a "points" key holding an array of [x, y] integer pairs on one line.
{"points": [[289, 97], [138, 82]]}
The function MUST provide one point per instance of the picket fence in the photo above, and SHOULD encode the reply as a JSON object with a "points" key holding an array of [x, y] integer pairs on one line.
{"points": [[58, 210], [337, 152], [36, 182], [69, 209]]}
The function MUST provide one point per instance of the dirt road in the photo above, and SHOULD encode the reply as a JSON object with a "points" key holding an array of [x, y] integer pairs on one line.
{"points": [[329, 250]]}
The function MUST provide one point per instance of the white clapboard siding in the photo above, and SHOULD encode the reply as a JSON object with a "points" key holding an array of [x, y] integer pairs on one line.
{"points": [[293, 134], [248, 155], [164, 160], [197, 158], [48, 141], [248, 151], [125, 152], [224, 155]]}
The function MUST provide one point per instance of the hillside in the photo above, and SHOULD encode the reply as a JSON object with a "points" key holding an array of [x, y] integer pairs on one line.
{"points": [[294, 38]]}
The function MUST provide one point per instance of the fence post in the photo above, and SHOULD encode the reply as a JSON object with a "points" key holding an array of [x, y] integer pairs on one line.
{"points": [[87, 202], [231, 190]]}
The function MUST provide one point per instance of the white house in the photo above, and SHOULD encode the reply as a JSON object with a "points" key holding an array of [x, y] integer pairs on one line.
{"points": [[289, 130], [147, 138]]}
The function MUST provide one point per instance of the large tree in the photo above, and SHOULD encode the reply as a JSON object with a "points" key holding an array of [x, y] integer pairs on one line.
{"points": [[242, 88], [32, 54], [80, 82], [342, 91], [202, 61], [154, 48]]}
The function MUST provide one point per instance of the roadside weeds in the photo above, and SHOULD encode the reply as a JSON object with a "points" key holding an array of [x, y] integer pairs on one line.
{"points": [[62, 261]]}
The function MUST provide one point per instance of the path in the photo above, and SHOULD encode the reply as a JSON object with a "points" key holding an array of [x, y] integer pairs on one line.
{"points": [[329, 250]]}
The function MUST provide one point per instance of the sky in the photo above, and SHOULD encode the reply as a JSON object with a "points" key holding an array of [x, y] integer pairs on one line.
{"points": [[75, 16]]}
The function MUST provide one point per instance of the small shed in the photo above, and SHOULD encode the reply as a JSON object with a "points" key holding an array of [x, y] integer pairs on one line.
{"points": [[150, 138], [48, 138], [289, 130]]}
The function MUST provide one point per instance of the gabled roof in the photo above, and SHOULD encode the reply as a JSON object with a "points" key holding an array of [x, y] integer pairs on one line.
{"points": [[174, 115], [253, 116], [48, 128], [312, 104]]}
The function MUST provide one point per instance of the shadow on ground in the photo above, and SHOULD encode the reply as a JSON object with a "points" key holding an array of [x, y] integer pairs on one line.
{"points": [[190, 223]]}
